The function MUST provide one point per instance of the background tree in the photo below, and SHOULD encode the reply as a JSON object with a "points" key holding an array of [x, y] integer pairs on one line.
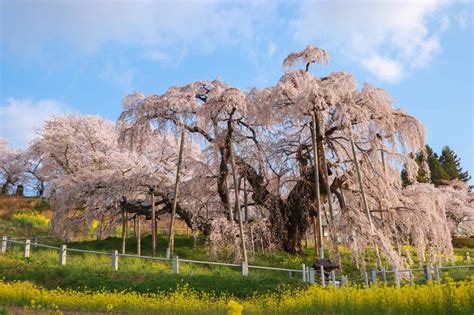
{"points": [[13, 164], [442, 169], [451, 164]]}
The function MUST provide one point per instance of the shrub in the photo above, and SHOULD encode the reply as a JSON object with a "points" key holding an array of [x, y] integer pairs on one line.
{"points": [[31, 220]]}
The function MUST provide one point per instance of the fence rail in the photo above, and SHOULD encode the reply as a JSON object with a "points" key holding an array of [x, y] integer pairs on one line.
{"points": [[308, 274]]}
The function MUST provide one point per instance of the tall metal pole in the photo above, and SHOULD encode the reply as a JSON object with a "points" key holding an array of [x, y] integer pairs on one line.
{"points": [[237, 203], [176, 192], [317, 198]]}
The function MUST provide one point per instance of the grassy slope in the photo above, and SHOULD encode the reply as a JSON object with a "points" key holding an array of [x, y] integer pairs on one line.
{"points": [[142, 276]]}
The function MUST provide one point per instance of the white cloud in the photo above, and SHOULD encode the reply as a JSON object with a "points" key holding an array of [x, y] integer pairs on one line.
{"points": [[21, 119], [156, 55], [28, 26], [405, 32], [272, 48], [117, 74], [384, 69]]}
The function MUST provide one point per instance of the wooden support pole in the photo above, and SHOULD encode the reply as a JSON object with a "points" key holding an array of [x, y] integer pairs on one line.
{"points": [[332, 224], [139, 236], [237, 204], [124, 230], [176, 192], [317, 197], [135, 226], [246, 208], [252, 241], [361, 182], [153, 223], [99, 235]]}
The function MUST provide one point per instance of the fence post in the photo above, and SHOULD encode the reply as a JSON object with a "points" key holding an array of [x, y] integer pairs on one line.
{"points": [[115, 259], [373, 275], [175, 264], [62, 255], [467, 257], [427, 272], [384, 275], [333, 277], [396, 273], [323, 278], [4, 244], [366, 278], [303, 268], [436, 274], [311, 275], [245, 269], [27, 248], [410, 273], [35, 239], [290, 274]]}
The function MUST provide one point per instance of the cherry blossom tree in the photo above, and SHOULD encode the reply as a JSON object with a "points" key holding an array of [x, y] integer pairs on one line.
{"points": [[361, 140], [12, 167], [259, 167]]}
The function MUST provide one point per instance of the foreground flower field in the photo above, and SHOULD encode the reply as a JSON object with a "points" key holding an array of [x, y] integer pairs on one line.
{"points": [[447, 298]]}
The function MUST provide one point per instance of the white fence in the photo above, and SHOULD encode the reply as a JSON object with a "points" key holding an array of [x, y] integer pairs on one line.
{"points": [[310, 275], [175, 261]]}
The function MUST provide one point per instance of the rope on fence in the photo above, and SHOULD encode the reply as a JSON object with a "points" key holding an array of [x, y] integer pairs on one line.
{"points": [[307, 276]]}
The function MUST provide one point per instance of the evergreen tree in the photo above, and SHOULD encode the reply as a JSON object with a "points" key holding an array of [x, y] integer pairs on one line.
{"points": [[451, 164], [438, 173], [442, 168]]}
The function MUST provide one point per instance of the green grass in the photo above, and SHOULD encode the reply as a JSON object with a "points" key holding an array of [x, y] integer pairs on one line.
{"points": [[464, 242], [144, 276]]}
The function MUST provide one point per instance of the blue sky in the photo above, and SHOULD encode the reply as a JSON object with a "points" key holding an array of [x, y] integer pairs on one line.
{"points": [[85, 56]]}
